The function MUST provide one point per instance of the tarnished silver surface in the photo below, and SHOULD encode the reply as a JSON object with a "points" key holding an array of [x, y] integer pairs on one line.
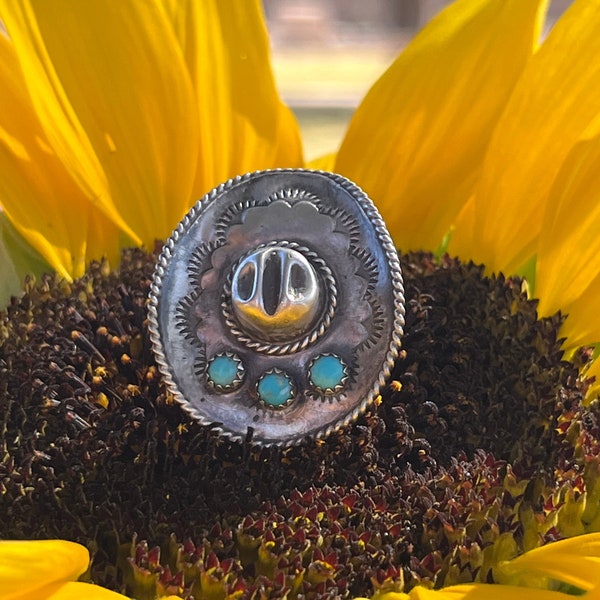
{"points": [[277, 306]]}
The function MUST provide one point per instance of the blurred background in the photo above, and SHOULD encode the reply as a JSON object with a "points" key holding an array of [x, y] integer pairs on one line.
{"points": [[327, 53]]}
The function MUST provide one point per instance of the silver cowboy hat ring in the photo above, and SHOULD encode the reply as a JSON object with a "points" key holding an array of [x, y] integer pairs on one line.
{"points": [[277, 306]]}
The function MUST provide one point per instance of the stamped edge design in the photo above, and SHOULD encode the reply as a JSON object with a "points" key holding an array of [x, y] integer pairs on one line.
{"points": [[292, 194], [197, 259], [224, 221]]}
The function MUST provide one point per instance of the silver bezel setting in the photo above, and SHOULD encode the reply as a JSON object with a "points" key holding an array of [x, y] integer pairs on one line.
{"points": [[239, 377], [264, 404]]}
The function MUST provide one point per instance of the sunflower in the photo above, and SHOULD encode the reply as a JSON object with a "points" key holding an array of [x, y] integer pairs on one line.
{"points": [[480, 140]]}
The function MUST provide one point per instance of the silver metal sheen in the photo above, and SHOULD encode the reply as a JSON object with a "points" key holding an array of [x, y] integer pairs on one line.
{"points": [[276, 294], [277, 268]]}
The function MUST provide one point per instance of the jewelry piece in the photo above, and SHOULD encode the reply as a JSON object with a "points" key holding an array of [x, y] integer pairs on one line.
{"points": [[277, 306]]}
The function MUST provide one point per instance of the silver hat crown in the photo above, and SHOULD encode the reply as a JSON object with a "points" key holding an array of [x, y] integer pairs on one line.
{"points": [[277, 306]]}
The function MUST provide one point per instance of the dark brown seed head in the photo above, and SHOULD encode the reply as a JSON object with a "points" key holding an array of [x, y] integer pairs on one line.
{"points": [[480, 443]]}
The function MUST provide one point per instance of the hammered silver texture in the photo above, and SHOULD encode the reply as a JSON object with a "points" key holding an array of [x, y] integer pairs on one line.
{"points": [[277, 306]]}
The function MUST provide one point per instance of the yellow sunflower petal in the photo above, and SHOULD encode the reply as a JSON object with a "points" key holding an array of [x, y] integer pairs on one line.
{"points": [[568, 264], [594, 371], [575, 561], [243, 124], [556, 99], [485, 591], [112, 91], [40, 198], [29, 566], [104, 239], [18, 259], [417, 140], [581, 327], [79, 591], [323, 163]]}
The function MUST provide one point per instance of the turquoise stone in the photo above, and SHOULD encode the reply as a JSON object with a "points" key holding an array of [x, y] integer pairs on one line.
{"points": [[223, 370], [275, 389], [327, 372]]}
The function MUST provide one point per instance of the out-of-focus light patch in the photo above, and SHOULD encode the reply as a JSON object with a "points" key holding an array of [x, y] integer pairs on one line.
{"points": [[324, 85], [324, 65], [325, 60]]}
